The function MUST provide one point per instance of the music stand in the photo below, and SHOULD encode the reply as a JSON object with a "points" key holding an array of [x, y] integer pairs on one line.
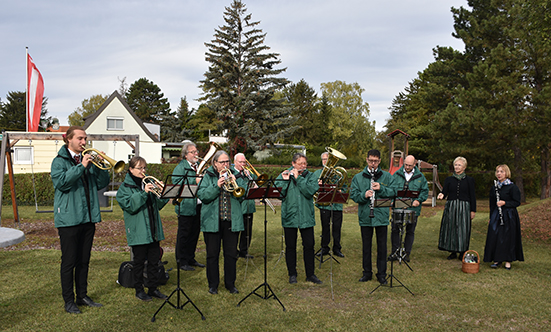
{"points": [[174, 191], [269, 190], [328, 194], [403, 200]]}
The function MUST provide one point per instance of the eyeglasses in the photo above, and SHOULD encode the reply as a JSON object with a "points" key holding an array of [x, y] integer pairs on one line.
{"points": [[193, 152], [373, 161]]}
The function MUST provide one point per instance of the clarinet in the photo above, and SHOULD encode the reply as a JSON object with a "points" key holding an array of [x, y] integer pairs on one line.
{"points": [[372, 203], [497, 201]]}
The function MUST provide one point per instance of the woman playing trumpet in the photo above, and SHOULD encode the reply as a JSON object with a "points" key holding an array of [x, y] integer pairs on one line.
{"points": [[221, 220], [144, 229]]}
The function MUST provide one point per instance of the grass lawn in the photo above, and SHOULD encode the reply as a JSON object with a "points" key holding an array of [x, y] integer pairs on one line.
{"points": [[446, 299]]}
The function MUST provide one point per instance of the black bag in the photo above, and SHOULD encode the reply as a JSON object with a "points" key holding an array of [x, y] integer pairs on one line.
{"points": [[126, 275]]}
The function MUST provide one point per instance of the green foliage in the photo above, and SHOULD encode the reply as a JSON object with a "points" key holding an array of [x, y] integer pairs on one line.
{"points": [[147, 101], [88, 107], [241, 81], [13, 113]]}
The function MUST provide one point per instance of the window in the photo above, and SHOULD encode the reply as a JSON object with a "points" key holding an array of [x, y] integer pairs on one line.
{"points": [[114, 123], [23, 155]]}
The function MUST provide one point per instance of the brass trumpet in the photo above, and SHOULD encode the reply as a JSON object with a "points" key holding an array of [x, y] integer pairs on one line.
{"points": [[230, 185], [106, 162], [158, 186]]}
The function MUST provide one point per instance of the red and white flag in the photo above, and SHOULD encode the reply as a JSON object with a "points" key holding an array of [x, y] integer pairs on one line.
{"points": [[35, 92]]}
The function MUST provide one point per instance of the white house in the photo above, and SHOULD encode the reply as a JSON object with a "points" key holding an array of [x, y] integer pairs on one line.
{"points": [[116, 117]]}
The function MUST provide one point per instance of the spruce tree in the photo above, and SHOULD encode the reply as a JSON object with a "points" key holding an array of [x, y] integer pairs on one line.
{"points": [[241, 80]]}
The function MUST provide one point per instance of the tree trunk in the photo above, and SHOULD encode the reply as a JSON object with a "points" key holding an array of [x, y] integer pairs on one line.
{"points": [[545, 172]]}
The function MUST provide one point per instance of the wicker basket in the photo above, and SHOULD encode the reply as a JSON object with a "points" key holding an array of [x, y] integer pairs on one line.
{"points": [[470, 267]]}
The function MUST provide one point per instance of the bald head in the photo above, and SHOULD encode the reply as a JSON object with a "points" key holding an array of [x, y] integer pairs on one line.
{"points": [[409, 163]]}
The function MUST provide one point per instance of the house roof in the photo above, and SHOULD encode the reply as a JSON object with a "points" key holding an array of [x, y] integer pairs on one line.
{"points": [[91, 118]]}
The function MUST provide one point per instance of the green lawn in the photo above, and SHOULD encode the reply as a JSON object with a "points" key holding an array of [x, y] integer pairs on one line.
{"points": [[446, 299]]}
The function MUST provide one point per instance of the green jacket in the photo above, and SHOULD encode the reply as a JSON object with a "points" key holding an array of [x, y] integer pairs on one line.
{"points": [[248, 205], [418, 182], [209, 194], [360, 185], [188, 206], [70, 196], [132, 200], [297, 205], [336, 206]]}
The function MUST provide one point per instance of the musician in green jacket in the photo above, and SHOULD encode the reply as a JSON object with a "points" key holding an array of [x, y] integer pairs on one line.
{"points": [[297, 214], [371, 184]]}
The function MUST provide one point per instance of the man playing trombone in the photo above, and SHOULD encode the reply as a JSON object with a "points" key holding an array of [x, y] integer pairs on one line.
{"points": [[247, 206], [76, 182], [188, 210]]}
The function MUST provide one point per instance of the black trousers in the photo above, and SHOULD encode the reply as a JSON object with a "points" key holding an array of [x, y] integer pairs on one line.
{"points": [[229, 244], [326, 230], [246, 235], [291, 235], [151, 253], [381, 233], [409, 238], [76, 246], [189, 228]]}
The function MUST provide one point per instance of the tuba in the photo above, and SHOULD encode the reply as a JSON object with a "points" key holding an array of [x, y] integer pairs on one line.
{"points": [[230, 185], [158, 186], [106, 162], [206, 161], [332, 174]]}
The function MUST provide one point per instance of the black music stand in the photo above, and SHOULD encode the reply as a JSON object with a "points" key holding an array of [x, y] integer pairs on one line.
{"points": [[403, 200], [174, 191], [269, 190]]}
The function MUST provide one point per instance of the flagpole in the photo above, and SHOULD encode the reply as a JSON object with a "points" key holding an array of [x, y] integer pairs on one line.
{"points": [[27, 89]]}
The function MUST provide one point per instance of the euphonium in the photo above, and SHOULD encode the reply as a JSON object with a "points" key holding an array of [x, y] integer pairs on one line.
{"points": [[206, 161], [260, 178], [118, 166], [230, 185], [158, 186], [330, 174]]}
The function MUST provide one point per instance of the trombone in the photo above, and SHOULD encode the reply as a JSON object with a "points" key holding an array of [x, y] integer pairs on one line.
{"points": [[158, 186], [260, 181], [103, 162]]}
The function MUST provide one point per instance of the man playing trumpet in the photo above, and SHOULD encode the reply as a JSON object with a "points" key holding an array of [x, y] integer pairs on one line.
{"points": [[248, 206], [76, 211]]}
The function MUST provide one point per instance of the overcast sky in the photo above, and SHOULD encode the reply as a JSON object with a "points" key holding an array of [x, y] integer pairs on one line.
{"points": [[83, 48]]}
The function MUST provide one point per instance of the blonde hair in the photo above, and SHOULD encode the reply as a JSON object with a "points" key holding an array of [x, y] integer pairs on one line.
{"points": [[462, 159], [506, 169]]}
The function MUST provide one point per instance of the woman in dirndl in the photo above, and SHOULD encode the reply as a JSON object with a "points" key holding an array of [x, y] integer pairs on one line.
{"points": [[503, 241], [455, 228]]}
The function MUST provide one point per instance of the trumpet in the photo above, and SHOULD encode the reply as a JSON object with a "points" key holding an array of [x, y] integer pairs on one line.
{"points": [[103, 162], [158, 186], [230, 185]]}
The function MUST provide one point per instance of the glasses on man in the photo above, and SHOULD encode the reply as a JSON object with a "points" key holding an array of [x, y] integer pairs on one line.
{"points": [[373, 161]]}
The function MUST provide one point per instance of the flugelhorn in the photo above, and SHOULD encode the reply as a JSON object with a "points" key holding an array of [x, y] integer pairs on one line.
{"points": [[230, 185], [158, 186], [103, 162]]}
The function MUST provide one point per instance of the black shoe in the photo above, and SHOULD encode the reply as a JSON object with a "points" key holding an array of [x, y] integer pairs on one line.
{"points": [[495, 265], [143, 296], [382, 280], [233, 290], [187, 268], [365, 278], [338, 253], [406, 258], [392, 258], [453, 255], [314, 279], [507, 266], [72, 308], [293, 279], [157, 293], [196, 264], [244, 255], [88, 301], [460, 256], [323, 252], [213, 290]]}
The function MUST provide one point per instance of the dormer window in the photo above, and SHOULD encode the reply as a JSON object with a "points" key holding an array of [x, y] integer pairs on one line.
{"points": [[115, 123]]}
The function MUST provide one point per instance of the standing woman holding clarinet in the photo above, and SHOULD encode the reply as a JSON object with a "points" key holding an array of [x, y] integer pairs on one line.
{"points": [[144, 229], [503, 241]]}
